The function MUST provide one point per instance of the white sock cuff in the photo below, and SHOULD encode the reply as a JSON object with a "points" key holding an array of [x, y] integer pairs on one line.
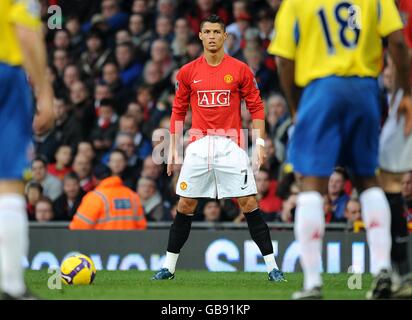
{"points": [[310, 198], [12, 202], [371, 194]]}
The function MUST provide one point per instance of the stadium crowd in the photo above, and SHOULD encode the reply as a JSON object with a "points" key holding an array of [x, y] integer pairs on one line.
{"points": [[113, 66]]}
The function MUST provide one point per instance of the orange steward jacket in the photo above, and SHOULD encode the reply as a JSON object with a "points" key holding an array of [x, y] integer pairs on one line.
{"points": [[111, 206]]}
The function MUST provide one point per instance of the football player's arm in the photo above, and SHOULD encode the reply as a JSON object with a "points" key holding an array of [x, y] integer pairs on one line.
{"points": [[283, 46], [250, 93], [88, 213], [390, 26], [286, 69], [179, 110], [29, 35]]}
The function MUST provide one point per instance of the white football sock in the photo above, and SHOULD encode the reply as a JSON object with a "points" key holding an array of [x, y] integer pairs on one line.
{"points": [[13, 243], [376, 216], [270, 262], [170, 261], [309, 230]]}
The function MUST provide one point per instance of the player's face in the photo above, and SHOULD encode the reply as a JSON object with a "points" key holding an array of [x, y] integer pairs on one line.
{"points": [[213, 36]]}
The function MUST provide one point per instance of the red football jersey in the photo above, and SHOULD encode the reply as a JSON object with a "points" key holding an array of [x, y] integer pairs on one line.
{"points": [[214, 93]]}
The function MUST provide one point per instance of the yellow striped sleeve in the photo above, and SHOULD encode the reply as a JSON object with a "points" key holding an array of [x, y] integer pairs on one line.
{"points": [[26, 13]]}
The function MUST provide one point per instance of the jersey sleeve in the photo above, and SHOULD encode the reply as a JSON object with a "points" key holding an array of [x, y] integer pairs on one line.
{"points": [[389, 18], [249, 91], [181, 100], [87, 213], [284, 41], [25, 13]]}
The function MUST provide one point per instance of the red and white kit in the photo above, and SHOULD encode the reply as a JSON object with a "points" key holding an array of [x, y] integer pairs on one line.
{"points": [[215, 165]]}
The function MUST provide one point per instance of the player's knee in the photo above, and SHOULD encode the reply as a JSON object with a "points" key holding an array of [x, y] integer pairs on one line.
{"points": [[247, 204], [186, 205]]}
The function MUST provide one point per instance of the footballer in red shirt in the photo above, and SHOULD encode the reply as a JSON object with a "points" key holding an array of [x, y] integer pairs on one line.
{"points": [[215, 166]]}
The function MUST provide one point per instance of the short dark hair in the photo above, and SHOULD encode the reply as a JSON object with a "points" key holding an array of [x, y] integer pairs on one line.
{"points": [[107, 102], [117, 150], [40, 158], [214, 19], [71, 176], [101, 171], [342, 172]]}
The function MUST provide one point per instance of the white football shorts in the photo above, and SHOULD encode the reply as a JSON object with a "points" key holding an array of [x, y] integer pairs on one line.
{"points": [[395, 150], [215, 167]]}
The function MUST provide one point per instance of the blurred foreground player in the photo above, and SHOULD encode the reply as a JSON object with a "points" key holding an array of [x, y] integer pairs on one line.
{"points": [[333, 49], [21, 45], [215, 166], [395, 159]]}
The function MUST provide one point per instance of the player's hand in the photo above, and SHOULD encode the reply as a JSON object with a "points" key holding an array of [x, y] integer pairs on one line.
{"points": [[405, 109], [172, 160], [44, 117], [260, 157]]}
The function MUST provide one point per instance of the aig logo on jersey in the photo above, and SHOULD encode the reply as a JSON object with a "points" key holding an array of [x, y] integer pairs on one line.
{"points": [[213, 98]]}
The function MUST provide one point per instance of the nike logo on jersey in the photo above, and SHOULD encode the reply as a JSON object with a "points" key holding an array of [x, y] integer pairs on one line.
{"points": [[243, 188], [196, 81]]}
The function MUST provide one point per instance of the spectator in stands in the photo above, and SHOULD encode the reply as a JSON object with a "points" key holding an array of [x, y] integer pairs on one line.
{"points": [[164, 28], [123, 36], [85, 148], [336, 192], [76, 37], [110, 17], [154, 207], [83, 107], [353, 211], [141, 34], [152, 74], [44, 210], [145, 98], [82, 166], [270, 205], [67, 129], [166, 8], [33, 192], [124, 142], [62, 39], [60, 61], [265, 26], [112, 206], [118, 165], [66, 205], [278, 123], [212, 212], [111, 77], [203, 9], [62, 165], [182, 35], [232, 46], [130, 69], [71, 74], [101, 92], [143, 147], [105, 128], [242, 21], [160, 53], [96, 55], [52, 187], [265, 78]]}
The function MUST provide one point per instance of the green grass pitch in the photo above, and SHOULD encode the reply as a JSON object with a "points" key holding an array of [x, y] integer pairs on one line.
{"points": [[192, 285]]}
